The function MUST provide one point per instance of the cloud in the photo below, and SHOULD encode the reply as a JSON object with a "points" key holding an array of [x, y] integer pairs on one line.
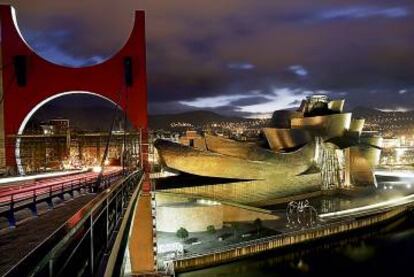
{"points": [[397, 109], [252, 104], [205, 55], [342, 93], [299, 70], [249, 101], [241, 66], [216, 101], [279, 99], [296, 102], [360, 12]]}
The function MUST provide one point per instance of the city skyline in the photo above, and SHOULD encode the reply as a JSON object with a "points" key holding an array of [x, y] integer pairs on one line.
{"points": [[242, 57]]}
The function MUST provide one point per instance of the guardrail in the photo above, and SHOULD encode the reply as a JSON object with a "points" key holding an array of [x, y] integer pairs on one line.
{"points": [[78, 247], [115, 265], [19, 199]]}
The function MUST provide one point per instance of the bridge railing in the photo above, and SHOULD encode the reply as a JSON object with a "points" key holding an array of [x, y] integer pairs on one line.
{"points": [[16, 200], [80, 245], [116, 264]]}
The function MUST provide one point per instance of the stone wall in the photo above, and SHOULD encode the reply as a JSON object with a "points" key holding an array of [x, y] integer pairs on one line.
{"points": [[191, 216], [236, 214], [174, 212]]}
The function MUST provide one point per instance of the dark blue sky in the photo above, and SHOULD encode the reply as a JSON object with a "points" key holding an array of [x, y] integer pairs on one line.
{"points": [[241, 56]]}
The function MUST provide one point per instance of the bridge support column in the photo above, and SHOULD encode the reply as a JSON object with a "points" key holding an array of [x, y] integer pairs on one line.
{"points": [[122, 79], [2, 136]]}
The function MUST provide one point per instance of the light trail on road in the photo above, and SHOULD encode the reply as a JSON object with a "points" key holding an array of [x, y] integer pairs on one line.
{"points": [[9, 180], [39, 187]]}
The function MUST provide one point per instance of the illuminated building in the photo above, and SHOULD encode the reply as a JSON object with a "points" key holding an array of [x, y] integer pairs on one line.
{"points": [[318, 147], [193, 139], [55, 126], [57, 150]]}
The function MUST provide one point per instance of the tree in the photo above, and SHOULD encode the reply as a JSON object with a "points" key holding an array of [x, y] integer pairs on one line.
{"points": [[182, 233], [211, 229], [258, 224]]}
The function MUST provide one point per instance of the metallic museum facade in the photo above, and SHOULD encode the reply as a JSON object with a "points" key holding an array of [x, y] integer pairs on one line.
{"points": [[315, 148]]}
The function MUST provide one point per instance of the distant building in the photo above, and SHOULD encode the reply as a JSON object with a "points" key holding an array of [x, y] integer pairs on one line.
{"points": [[391, 142], [60, 147], [55, 127], [193, 139], [167, 135]]}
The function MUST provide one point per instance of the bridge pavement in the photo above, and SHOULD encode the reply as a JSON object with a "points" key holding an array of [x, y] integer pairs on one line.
{"points": [[18, 242]]}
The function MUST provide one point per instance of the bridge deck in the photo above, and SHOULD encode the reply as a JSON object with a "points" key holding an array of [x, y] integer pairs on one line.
{"points": [[16, 243]]}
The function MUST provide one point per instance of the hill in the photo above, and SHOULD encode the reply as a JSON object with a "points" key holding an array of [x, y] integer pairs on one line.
{"points": [[365, 112], [196, 118]]}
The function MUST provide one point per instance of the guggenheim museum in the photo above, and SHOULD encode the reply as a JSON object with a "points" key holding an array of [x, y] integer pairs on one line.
{"points": [[315, 148]]}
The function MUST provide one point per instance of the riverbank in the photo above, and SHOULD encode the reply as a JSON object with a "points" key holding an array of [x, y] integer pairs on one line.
{"points": [[243, 250], [381, 250]]}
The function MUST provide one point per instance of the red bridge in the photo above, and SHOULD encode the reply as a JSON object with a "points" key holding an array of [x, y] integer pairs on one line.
{"points": [[28, 82]]}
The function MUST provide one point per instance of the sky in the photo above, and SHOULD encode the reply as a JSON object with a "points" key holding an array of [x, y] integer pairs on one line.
{"points": [[241, 57]]}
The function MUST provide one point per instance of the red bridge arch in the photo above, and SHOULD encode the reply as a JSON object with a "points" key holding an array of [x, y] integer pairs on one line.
{"points": [[29, 79]]}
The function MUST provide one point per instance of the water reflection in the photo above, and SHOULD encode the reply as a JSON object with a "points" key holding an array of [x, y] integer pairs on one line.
{"points": [[331, 205]]}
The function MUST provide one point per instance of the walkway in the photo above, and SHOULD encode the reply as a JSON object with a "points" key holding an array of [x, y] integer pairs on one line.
{"points": [[18, 242]]}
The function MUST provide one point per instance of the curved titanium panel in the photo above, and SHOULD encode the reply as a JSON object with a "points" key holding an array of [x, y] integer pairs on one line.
{"points": [[371, 154], [357, 125], [336, 105], [229, 147], [285, 139], [374, 141], [235, 161], [361, 167], [281, 118], [326, 126], [301, 158]]}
